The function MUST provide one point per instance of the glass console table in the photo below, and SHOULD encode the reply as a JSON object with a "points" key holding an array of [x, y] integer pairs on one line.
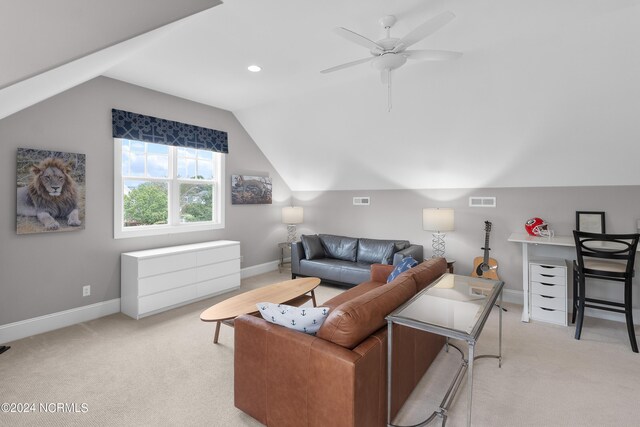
{"points": [[455, 307]]}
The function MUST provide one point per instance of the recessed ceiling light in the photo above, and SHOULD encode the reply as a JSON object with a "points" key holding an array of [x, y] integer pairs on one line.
{"points": [[254, 68]]}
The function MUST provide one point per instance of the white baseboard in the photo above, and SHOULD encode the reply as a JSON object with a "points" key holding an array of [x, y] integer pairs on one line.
{"points": [[38, 325], [513, 297], [254, 270], [49, 322]]}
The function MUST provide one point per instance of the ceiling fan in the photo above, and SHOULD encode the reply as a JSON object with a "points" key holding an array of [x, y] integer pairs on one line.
{"points": [[390, 53]]}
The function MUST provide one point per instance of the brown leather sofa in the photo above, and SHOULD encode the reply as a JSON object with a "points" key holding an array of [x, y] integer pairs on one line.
{"points": [[338, 377]]}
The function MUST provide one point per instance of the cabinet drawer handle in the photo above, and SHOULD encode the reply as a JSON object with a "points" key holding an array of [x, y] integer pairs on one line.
{"points": [[546, 266], [547, 275], [547, 309], [546, 296], [547, 284]]}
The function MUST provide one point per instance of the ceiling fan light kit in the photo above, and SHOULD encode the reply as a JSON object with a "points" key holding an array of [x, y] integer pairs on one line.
{"points": [[391, 53]]}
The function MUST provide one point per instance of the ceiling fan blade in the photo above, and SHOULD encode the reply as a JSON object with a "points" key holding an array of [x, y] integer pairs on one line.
{"points": [[432, 55], [428, 28], [347, 65], [358, 39]]}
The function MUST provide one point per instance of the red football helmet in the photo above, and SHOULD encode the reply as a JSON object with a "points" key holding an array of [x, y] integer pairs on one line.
{"points": [[538, 227]]}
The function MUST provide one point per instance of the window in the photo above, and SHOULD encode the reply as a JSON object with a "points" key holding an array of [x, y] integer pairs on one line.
{"points": [[162, 189]]}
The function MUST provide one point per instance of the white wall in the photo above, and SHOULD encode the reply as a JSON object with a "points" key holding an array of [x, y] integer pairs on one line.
{"points": [[398, 214]]}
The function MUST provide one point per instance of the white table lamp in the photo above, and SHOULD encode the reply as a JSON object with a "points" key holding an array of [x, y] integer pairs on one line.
{"points": [[437, 220], [291, 216]]}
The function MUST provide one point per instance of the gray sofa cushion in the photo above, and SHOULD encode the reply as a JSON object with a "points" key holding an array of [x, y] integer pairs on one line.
{"points": [[376, 251], [336, 270], [312, 247], [402, 244], [339, 247]]}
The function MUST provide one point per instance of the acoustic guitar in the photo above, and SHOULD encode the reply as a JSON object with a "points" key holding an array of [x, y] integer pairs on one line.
{"points": [[485, 267]]}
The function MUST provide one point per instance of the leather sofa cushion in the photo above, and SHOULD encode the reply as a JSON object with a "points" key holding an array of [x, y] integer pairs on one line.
{"points": [[380, 273], [353, 321], [339, 247], [376, 251], [350, 294], [426, 272], [312, 246]]}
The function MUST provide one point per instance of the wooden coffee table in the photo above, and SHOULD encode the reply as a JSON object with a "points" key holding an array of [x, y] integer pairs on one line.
{"points": [[292, 292]]}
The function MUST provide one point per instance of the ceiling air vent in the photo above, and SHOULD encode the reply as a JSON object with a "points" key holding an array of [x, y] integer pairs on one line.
{"points": [[482, 202], [361, 201]]}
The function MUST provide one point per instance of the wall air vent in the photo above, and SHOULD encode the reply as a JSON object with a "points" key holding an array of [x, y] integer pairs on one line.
{"points": [[361, 201], [482, 202]]}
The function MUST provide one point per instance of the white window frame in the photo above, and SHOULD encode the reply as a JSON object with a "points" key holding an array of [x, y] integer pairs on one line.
{"points": [[121, 232]]}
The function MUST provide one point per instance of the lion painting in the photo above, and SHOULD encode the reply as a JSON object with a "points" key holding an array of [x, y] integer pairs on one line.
{"points": [[50, 194]]}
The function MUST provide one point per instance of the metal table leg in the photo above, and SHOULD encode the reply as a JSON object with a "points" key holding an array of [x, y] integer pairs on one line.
{"points": [[500, 332], [389, 367], [470, 381]]}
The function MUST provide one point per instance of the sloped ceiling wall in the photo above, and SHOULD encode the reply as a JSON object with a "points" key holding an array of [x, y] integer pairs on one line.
{"points": [[38, 35], [556, 107], [62, 44]]}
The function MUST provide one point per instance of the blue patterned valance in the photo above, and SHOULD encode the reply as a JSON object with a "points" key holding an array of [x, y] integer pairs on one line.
{"points": [[139, 127]]}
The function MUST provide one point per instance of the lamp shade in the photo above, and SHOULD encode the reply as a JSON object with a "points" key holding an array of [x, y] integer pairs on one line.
{"points": [[437, 219], [292, 215]]}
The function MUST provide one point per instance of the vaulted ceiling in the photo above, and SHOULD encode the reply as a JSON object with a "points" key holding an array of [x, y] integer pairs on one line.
{"points": [[546, 93]]}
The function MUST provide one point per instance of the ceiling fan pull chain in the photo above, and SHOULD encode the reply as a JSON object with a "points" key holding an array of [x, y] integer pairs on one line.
{"points": [[389, 90]]}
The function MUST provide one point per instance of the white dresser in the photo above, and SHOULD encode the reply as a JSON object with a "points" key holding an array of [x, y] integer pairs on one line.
{"points": [[155, 280], [548, 287]]}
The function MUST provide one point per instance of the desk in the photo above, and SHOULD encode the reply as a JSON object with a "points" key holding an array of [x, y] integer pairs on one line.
{"points": [[526, 240]]}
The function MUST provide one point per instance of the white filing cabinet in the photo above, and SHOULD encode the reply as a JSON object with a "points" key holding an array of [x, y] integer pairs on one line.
{"points": [[155, 280], [548, 288]]}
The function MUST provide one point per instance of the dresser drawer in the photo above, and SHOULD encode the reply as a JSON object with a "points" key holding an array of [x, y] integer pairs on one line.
{"points": [[548, 278], [549, 270], [543, 301], [210, 256], [220, 269], [165, 264], [164, 282], [219, 285], [550, 290], [166, 299], [549, 315]]}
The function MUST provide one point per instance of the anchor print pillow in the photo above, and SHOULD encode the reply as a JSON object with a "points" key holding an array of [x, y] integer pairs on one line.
{"points": [[303, 319]]}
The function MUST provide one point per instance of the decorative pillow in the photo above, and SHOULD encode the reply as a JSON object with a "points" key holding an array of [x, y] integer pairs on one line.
{"points": [[312, 246], [303, 319], [405, 264]]}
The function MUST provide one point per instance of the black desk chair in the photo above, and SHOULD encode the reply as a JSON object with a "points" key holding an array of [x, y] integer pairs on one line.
{"points": [[605, 257]]}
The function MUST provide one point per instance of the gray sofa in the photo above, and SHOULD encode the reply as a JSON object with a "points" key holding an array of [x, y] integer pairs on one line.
{"points": [[346, 260]]}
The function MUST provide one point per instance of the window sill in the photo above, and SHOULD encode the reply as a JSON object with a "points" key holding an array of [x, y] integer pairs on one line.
{"points": [[145, 231]]}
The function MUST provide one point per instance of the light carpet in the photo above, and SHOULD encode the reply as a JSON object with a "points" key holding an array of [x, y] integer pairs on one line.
{"points": [[164, 370]]}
